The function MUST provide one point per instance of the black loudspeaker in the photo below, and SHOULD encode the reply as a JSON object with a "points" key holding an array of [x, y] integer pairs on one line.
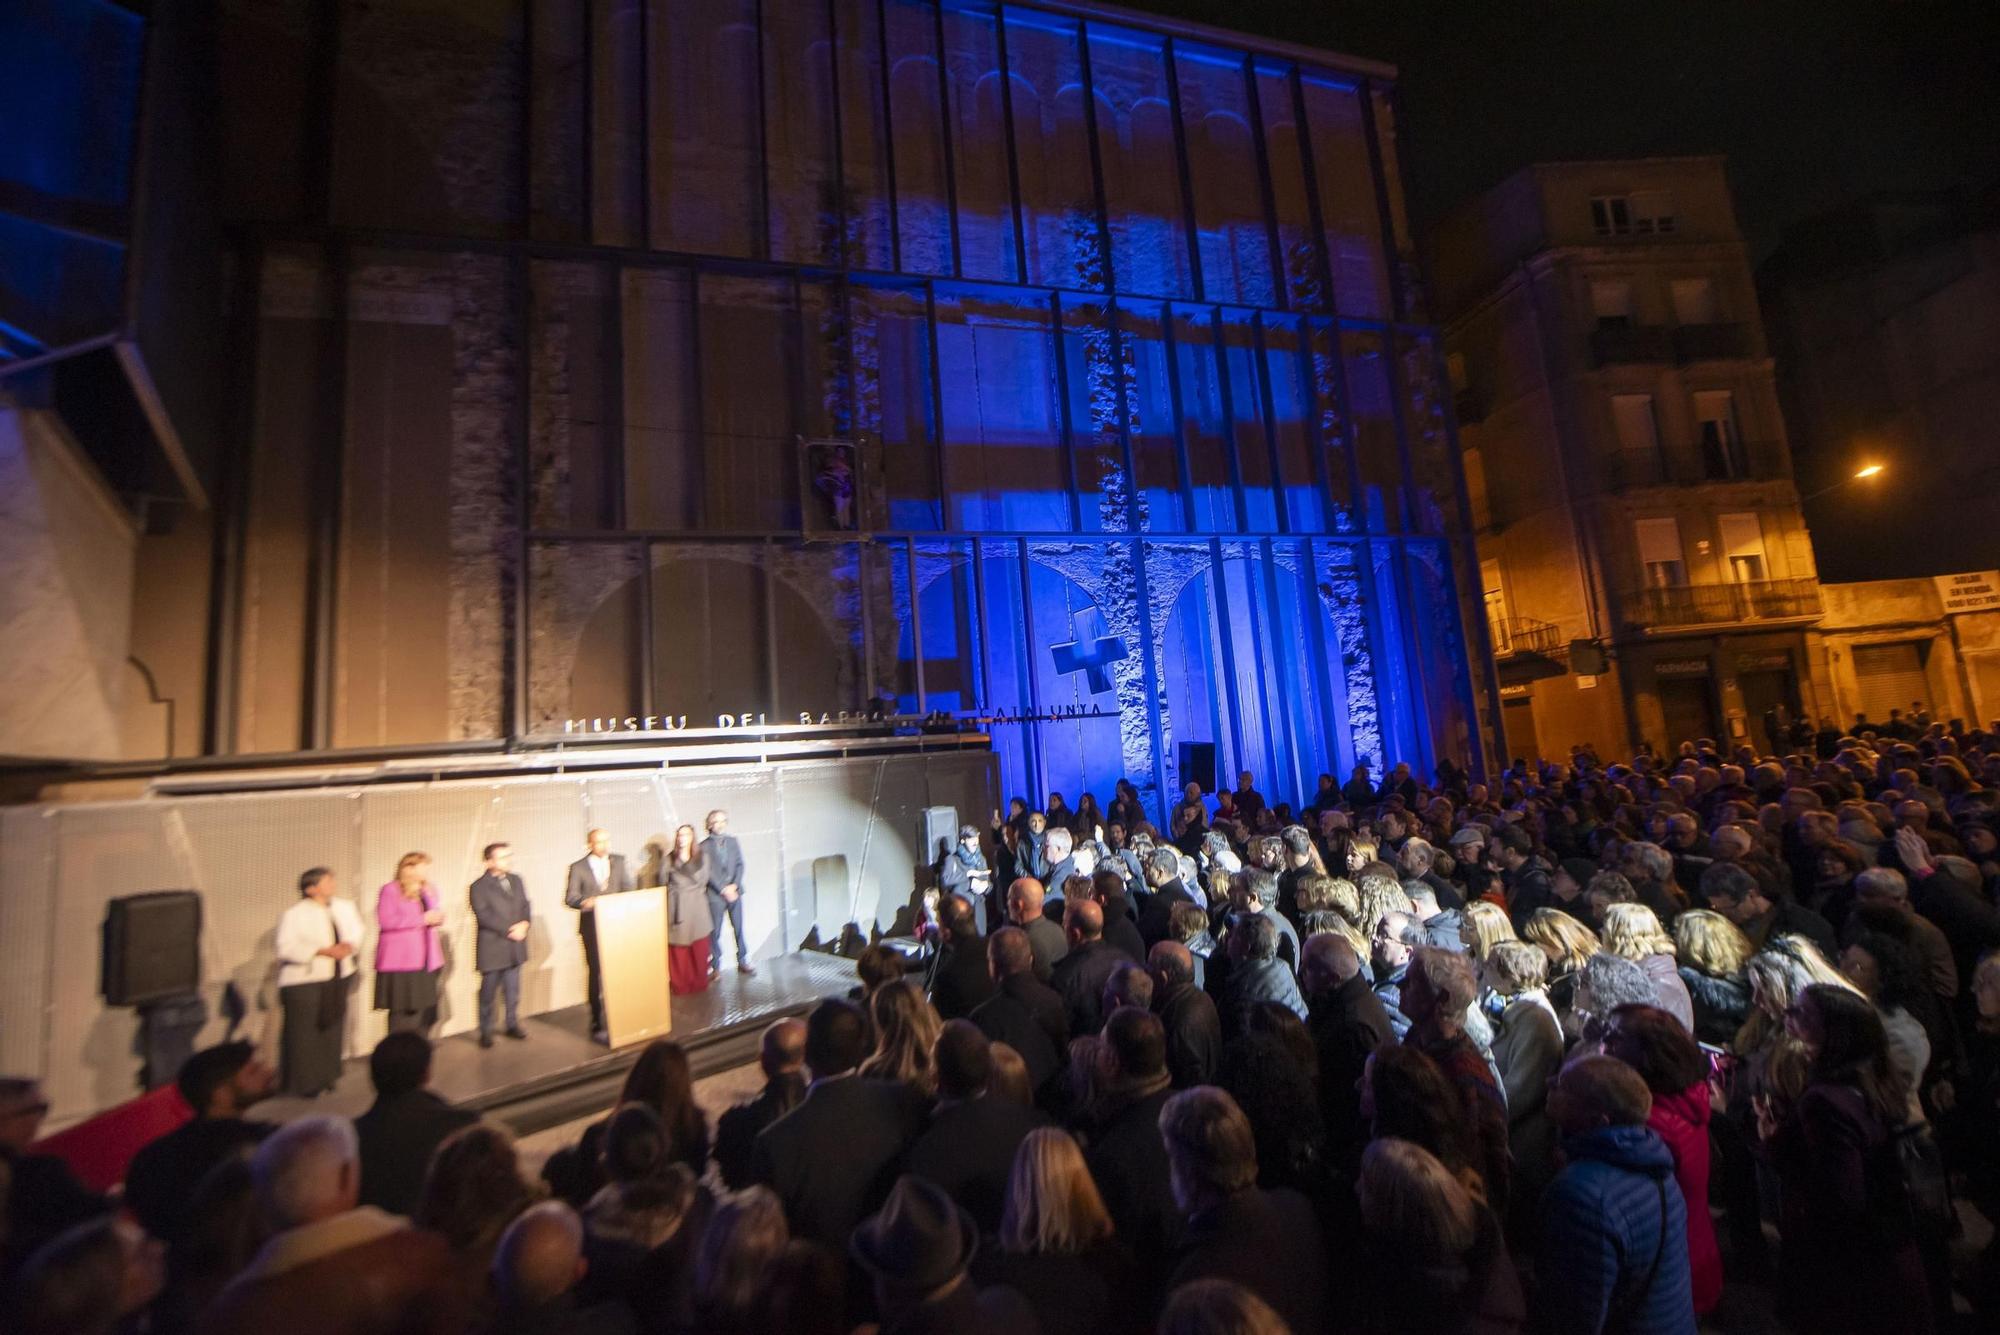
{"points": [[1197, 766], [152, 947], [940, 833]]}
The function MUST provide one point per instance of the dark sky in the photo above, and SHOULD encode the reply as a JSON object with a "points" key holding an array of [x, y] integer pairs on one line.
{"points": [[1814, 103]]}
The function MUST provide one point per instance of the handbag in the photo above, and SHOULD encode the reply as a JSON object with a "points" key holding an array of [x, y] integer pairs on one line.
{"points": [[1925, 1181]]}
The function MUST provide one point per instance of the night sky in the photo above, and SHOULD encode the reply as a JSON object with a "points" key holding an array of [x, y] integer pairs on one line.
{"points": [[1815, 104]]}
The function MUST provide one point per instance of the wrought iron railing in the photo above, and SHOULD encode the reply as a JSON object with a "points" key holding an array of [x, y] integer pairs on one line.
{"points": [[1523, 635], [1707, 604]]}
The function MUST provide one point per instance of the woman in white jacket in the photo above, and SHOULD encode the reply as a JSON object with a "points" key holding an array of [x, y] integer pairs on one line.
{"points": [[317, 941]]}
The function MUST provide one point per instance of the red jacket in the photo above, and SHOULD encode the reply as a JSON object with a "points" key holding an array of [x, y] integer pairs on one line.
{"points": [[1682, 1121]]}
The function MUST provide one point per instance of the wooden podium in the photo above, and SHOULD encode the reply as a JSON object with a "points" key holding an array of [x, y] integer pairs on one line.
{"points": [[632, 957]]}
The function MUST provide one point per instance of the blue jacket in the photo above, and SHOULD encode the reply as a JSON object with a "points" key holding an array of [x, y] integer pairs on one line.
{"points": [[1602, 1222]]}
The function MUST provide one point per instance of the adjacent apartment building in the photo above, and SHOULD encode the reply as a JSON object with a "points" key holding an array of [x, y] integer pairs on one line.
{"points": [[1647, 572]]}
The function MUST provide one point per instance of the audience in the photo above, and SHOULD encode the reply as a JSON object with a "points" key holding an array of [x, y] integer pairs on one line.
{"points": [[1024, 1012], [782, 1057], [1055, 1244], [220, 1084], [536, 1271], [1432, 1257], [968, 1147], [404, 1126]]}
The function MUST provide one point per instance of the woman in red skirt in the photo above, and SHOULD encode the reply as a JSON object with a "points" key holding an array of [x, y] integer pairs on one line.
{"points": [[688, 922]]}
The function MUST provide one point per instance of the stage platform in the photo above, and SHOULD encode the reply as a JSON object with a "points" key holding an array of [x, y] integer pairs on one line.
{"points": [[558, 1075]]}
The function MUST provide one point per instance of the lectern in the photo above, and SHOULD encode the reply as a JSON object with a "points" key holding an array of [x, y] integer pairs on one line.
{"points": [[632, 956]]}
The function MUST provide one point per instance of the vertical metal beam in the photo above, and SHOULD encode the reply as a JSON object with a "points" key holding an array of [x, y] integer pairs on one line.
{"points": [[1171, 67], [761, 246], [612, 510], [232, 507], [840, 257], [1281, 507], [950, 159], [947, 516], [1038, 769], [1013, 151], [329, 458], [645, 135], [1096, 158], [699, 406], [1218, 583], [1322, 254], [520, 608], [889, 139], [647, 657], [1267, 186], [1066, 423], [917, 623], [1365, 96], [1220, 327]]}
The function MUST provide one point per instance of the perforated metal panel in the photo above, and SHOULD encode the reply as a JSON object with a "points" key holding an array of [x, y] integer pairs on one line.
{"points": [[60, 864]]}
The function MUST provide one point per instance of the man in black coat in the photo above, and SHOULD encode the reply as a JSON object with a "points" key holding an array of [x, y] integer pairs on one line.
{"points": [[1267, 1241], [1024, 910], [1526, 877], [969, 1146], [1081, 974], [1347, 1022], [597, 873], [44, 1197], [404, 1126], [961, 980], [1121, 923], [1187, 1014], [1127, 1157], [832, 1159], [1163, 877], [500, 907], [220, 1084], [1023, 1012], [782, 1055]]}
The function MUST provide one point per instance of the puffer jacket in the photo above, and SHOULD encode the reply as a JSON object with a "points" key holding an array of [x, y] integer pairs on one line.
{"points": [[1721, 1005], [1681, 1120], [1606, 1218]]}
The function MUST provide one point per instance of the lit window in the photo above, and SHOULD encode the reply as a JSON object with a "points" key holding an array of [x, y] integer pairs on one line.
{"points": [[1641, 213]]}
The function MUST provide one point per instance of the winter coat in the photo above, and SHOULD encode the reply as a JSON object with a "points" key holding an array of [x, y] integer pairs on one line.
{"points": [[1252, 981], [1528, 1049], [1682, 1122], [1670, 994], [1606, 1217], [1721, 1005]]}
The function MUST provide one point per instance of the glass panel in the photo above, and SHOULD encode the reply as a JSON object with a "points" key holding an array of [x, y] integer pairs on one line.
{"points": [[583, 632], [1097, 369], [572, 484], [916, 122], [1409, 274], [1195, 703], [1135, 130], [1435, 502], [892, 400], [663, 457], [799, 123], [710, 647], [1301, 716], [953, 641], [1008, 678], [749, 379], [1155, 449], [1244, 604], [1374, 423], [1347, 204], [820, 615], [979, 146], [1204, 424], [613, 130], [1396, 689], [1001, 419], [1244, 388], [1052, 151], [864, 136], [1298, 248], [1331, 422], [1234, 240], [1291, 432], [706, 172]]}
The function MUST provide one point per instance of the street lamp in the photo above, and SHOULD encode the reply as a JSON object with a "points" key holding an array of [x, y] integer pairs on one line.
{"points": [[1868, 470]]}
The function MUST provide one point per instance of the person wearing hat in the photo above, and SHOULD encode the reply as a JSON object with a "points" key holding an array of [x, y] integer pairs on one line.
{"points": [[917, 1249], [1467, 847]]}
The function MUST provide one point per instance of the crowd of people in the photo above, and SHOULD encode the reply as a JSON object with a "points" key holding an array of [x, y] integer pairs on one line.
{"points": [[1566, 1052]]}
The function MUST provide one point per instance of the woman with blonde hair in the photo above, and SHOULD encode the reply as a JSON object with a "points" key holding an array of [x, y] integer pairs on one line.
{"points": [[1435, 1257], [1377, 897], [1485, 926], [906, 1032], [688, 918], [1568, 944], [408, 954], [1712, 954], [1057, 1246], [1633, 932], [1527, 1052]]}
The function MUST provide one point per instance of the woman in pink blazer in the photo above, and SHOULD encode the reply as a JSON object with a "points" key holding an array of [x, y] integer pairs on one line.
{"points": [[408, 954]]}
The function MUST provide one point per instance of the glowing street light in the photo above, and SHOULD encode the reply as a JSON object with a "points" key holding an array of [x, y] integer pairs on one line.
{"points": [[1870, 471], [1866, 471]]}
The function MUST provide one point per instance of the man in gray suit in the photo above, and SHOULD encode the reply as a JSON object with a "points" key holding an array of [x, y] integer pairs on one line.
{"points": [[724, 857], [597, 873], [500, 905]]}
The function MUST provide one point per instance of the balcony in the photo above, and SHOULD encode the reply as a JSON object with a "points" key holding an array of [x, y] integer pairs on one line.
{"points": [[1622, 344], [1711, 343], [1741, 461], [1523, 635], [1722, 604]]}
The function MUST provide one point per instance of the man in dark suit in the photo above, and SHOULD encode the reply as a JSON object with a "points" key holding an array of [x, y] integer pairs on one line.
{"points": [[969, 1147], [961, 980], [220, 1084], [1163, 877], [597, 873], [1080, 975], [404, 1126], [1347, 1022], [832, 1159], [1023, 1012], [724, 859], [1193, 1026], [1127, 1158], [1267, 1241], [500, 906], [783, 1059]]}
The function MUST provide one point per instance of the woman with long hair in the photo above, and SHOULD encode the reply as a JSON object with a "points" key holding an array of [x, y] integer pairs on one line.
{"points": [[1433, 1258], [408, 954], [1633, 932], [1850, 1261], [688, 919], [1887, 973], [473, 1190], [1485, 925], [906, 1033], [1568, 944], [1056, 1244], [1710, 953]]}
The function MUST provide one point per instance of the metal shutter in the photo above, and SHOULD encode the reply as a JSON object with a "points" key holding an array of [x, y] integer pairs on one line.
{"points": [[1890, 676]]}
